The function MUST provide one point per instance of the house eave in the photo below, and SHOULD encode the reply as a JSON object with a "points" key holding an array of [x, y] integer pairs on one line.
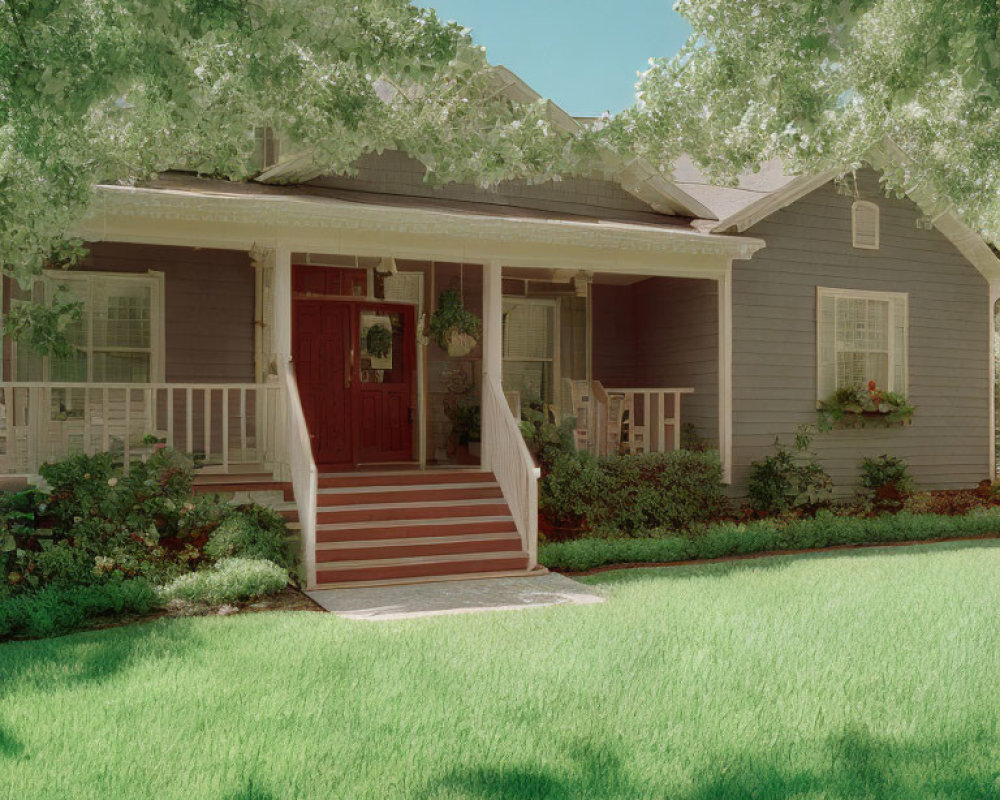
{"points": [[233, 219]]}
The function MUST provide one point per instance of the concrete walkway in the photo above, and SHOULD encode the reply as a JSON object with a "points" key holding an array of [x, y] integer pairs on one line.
{"points": [[455, 597]]}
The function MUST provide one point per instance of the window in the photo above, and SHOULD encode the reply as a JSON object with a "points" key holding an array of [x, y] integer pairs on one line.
{"points": [[861, 337], [530, 348], [118, 338], [864, 225]]}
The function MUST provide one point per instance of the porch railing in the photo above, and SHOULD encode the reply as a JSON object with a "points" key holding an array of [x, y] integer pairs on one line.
{"points": [[222, 424], [296, 449], [508, 457], [643, 420]]}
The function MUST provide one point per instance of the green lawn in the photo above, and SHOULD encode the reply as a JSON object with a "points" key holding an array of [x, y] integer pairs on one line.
{"points": [[870, 674]]}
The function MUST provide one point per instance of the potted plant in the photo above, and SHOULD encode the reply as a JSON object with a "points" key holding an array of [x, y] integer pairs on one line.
{"points": [[465, 428], [852, 407], [454, 328]]}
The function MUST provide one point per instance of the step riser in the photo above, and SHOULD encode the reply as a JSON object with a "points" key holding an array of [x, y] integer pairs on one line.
{"points": [[428, 570], [403, 496], [404, 479], [376, 514], [404, 531], [233, 488], [457, 547]]}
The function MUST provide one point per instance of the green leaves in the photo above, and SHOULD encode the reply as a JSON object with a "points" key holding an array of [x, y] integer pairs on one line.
{"points": [[820, 84], [117, 91]]}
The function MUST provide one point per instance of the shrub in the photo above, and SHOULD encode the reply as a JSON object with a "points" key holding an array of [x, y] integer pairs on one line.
{"points": [[625, 494], [251, 532], [886, 471], [18, 535], [55, 609], [571, 488], [228, 581], [672, 490], [788, 479], [729, 538]]}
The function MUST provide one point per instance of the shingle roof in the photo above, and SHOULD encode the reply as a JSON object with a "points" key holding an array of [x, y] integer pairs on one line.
{"points": [[725, 201]]}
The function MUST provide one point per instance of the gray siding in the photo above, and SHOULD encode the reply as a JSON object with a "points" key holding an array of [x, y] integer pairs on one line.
{"points": [[662, 332], [680, 323], [774, 339], [208, 305], [395, 173]]}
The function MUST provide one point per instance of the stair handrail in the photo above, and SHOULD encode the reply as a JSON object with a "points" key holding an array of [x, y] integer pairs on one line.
{"points": [[508, 457], [304, 474]]}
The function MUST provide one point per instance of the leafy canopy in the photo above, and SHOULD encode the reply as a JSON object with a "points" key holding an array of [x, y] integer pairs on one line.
{"points": [[117, 90], [820, 83]]}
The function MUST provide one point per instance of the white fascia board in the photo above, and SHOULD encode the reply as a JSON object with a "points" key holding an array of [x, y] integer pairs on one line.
{"points": [[767, 205], [171, 216], [966, 240]]}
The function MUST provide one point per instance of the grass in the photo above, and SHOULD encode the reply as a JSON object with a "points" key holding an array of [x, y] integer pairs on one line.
{"points": [[851, 675]]}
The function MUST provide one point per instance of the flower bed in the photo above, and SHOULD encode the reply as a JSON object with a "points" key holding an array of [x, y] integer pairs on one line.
{"points": [[99, 541]]}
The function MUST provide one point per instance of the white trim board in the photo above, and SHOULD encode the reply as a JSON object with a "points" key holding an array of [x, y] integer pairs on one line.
{"points": [[967, 241]]}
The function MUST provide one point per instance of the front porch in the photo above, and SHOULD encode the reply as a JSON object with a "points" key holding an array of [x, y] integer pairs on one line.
{"points": [[237, 326]]}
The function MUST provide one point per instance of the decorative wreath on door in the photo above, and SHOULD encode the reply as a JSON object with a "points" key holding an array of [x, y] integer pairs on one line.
{"points": [[379, 341]]}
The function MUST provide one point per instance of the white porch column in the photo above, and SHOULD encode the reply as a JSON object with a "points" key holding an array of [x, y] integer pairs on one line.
{"points": [[492, 337], [282, 302], [725, 287]]}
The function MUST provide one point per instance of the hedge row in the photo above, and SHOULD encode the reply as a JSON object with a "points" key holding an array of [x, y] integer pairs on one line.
{"points": [[731, 539], [61, 609]]}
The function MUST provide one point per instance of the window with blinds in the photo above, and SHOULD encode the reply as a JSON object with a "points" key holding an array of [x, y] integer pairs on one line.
{"points": [[861, 337], [530, 348], [117, 339]]}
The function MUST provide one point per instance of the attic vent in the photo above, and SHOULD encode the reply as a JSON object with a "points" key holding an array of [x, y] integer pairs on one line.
{"points": [[864, 225]]}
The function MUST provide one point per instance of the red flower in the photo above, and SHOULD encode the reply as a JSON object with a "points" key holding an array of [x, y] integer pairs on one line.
{"points": [[872, 386]]}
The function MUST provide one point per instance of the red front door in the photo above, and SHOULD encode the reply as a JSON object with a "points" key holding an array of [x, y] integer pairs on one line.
{"points": [[356, 385]]}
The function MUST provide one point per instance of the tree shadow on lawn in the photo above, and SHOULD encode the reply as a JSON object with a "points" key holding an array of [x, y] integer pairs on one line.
{"points": [[10, 747], [735, 566], [861, 767], [251, 792], [90, 657], [84, 659], [595, 773]]}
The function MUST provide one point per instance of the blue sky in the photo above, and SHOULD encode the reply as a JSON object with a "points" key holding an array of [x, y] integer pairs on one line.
{"points": [[582, 54]]}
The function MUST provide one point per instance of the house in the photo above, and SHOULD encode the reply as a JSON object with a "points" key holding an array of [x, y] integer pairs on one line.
{"points": [[277, 330]]}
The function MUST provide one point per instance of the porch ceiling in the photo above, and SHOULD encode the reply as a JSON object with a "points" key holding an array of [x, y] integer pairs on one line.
{"points": [[238, 216]]}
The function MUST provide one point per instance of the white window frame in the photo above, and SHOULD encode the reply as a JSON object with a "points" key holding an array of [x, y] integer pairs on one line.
{"points": [[554, 305], [865, 210], [895, 301], [53, 279]]}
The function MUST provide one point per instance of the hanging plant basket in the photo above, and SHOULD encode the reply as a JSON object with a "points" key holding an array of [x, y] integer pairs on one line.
{"points": [[455, 329], [460, 344]]}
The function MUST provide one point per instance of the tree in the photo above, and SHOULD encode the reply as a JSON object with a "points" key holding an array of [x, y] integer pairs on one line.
{"points": [[820, 83], [116, 91]]}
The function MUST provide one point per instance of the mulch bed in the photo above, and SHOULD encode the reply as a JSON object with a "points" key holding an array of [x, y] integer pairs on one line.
{"points": [[769, 553]]}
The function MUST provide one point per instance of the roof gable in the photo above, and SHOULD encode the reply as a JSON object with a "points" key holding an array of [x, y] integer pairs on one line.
{"points": [[637, 177], [761, 194]]}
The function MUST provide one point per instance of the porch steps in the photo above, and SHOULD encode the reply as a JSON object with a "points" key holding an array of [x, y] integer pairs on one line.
{"points": [[257, 487], [406, 527]]}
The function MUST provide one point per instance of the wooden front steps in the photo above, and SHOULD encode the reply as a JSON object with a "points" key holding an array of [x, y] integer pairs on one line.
{"points": [[259, 487], [405, 527]]}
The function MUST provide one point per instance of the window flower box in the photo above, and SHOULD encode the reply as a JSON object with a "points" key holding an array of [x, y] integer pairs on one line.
{"points": [[854, 407]]}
